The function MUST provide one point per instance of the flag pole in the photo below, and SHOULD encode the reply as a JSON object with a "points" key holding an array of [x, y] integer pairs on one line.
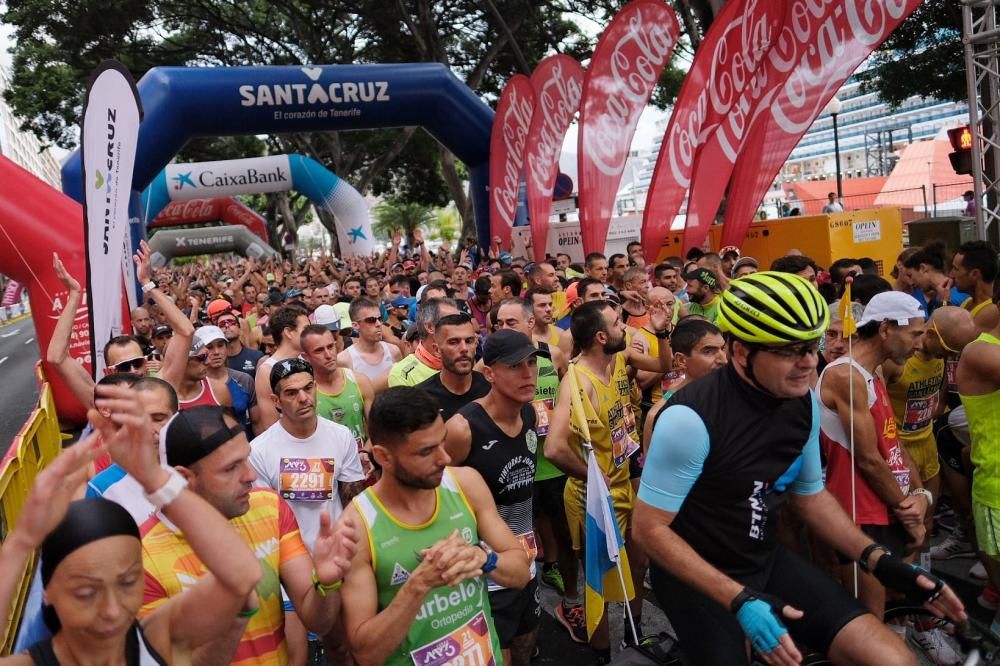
{"points": [[850, 327]]}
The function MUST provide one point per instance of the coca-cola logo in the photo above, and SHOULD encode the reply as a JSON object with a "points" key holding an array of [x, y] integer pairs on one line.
{"points": [[557, 100], [735, 78], [515, 120], [826, 36], [621, 82]]}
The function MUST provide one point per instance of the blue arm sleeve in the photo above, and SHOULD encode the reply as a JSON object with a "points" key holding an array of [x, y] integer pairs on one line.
{"points": [[810, 478], [677, 453]]}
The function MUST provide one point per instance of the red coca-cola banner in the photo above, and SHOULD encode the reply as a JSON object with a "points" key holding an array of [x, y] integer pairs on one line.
{"points": [[558, 85], [225, 209], [625, 67], [725, 76], [825, 42], [507, 143]]}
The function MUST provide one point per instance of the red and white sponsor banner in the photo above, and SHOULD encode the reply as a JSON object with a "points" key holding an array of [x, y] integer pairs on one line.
{"points": [[725, 79], [622, 73], [12, 294], [821, 45], [558, 85], [225, 209], [507, 144]]}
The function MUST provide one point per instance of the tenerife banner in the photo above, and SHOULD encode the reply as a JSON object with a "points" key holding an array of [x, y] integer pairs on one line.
{"points": [[726, 77], [507, 142], [273, 173], [558, 85], [111, 116], [822, 46], [170, 243], [622, 73]]}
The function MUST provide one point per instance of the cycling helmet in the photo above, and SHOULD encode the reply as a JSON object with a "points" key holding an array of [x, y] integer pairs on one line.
{"points": [[772, 308]]}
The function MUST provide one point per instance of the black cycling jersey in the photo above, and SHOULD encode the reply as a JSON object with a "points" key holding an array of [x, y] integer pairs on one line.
{"points": [[721, 457]]}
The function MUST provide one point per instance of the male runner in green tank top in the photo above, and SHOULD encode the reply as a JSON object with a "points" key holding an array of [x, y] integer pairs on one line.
{"points": [[416, 591], [342, 396], [978, 379]]}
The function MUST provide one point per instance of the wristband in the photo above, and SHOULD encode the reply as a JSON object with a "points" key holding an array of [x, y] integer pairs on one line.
{"points": [[662, 335], [922, 491], [169, 491], [744, 596], [867, 553], [324, 589], [148, 287]]}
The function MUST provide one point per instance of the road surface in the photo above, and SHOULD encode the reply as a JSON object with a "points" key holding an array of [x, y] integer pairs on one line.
{"points": [[18, 389]]}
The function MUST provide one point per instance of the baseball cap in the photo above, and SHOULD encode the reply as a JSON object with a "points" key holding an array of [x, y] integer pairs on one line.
{"points": [[395, 266], [402, 301], [506, 258], [217, 307], [409, 264], [328, 316], [209, 334], [745, 261], [892, 306], [287, 368], [704, 276], [508, 347], [344, 312], [293, 293], [191, 434], [162, 329]]}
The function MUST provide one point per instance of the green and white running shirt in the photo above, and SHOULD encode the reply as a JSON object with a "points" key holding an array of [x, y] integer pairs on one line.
{"points": [[454, 625]]}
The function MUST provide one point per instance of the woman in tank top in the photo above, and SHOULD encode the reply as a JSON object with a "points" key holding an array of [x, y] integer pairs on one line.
{"points": [[91, 557]]}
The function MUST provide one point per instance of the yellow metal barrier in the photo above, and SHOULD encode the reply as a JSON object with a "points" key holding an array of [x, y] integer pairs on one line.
{"points": [[35, 446]]}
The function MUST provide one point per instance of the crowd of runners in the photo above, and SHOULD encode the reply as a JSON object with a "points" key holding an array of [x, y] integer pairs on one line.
{"points": [[397, 445]]}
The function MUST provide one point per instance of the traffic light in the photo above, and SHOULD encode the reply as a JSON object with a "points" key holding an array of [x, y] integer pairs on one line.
{"points": [[961, 143]]}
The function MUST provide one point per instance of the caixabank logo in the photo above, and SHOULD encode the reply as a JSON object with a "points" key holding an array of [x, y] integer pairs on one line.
{"points": [[313, 91]]}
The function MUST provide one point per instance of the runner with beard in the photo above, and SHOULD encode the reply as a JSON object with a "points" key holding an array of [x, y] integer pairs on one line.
{"points": [[603, 380], [416, 587], [457, 384], [496, 436]]}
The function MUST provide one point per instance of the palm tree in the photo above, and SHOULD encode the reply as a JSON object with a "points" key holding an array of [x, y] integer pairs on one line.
{"points": [[393, 215]]}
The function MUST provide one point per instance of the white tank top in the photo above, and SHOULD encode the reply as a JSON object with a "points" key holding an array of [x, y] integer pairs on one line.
{"points": [[372, 371]]}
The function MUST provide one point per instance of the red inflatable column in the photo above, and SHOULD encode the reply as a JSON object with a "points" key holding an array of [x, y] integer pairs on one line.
{"points": [[35, 221]]}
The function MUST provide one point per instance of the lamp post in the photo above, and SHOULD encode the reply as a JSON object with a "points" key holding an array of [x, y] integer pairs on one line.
{"points": [[833, 108]]}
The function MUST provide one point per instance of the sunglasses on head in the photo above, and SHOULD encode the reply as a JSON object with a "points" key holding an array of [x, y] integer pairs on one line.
{"points": [[131, 364]]}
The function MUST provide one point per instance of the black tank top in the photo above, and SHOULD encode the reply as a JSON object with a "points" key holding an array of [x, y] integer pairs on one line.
{"points": [[138, 652], [507, 464]]}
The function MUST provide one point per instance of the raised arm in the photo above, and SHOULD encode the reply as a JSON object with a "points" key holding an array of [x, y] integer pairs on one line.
{"points": [[176, 360], [76, 377]]}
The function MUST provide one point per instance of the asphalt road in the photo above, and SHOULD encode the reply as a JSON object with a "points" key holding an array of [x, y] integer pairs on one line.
{"points": [[18, 390]]}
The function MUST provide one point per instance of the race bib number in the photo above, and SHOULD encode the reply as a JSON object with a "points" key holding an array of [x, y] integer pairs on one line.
{"points": [[307, 479], [623, 439], [468, 645], [543, 412], [919, 413], [950, 368]]}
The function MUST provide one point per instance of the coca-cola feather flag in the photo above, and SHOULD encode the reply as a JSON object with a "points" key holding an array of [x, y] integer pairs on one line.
{"points": [[622, 73], [558, 86], [725, 78], [507, 143], [826, 43]]}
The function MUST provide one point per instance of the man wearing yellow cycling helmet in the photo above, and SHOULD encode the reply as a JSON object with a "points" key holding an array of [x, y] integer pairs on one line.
{"points": [[726, 453]]}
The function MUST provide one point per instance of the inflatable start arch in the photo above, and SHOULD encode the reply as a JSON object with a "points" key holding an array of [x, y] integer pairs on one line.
{"points": [[180, 103], [199, 211]]}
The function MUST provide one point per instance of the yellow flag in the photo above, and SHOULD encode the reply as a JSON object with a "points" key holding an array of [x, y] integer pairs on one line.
{"points": [[577, 414], [846, 312]]}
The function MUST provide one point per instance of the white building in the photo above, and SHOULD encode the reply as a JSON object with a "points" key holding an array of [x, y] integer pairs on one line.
{"points": [[22, 147]]}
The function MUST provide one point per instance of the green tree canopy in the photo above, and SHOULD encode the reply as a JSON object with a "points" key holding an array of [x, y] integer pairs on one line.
{"points": [[394, 215]]}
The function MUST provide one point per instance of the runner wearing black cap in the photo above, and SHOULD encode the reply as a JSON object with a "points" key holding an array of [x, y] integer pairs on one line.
{"points": [[495, 435]]}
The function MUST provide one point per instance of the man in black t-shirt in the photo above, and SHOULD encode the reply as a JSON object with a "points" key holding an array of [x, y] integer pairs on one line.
{"points": [[496, 436], [457, 384]]}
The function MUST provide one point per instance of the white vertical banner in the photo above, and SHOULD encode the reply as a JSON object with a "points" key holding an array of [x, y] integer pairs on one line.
{"points": [[111, 116]]}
